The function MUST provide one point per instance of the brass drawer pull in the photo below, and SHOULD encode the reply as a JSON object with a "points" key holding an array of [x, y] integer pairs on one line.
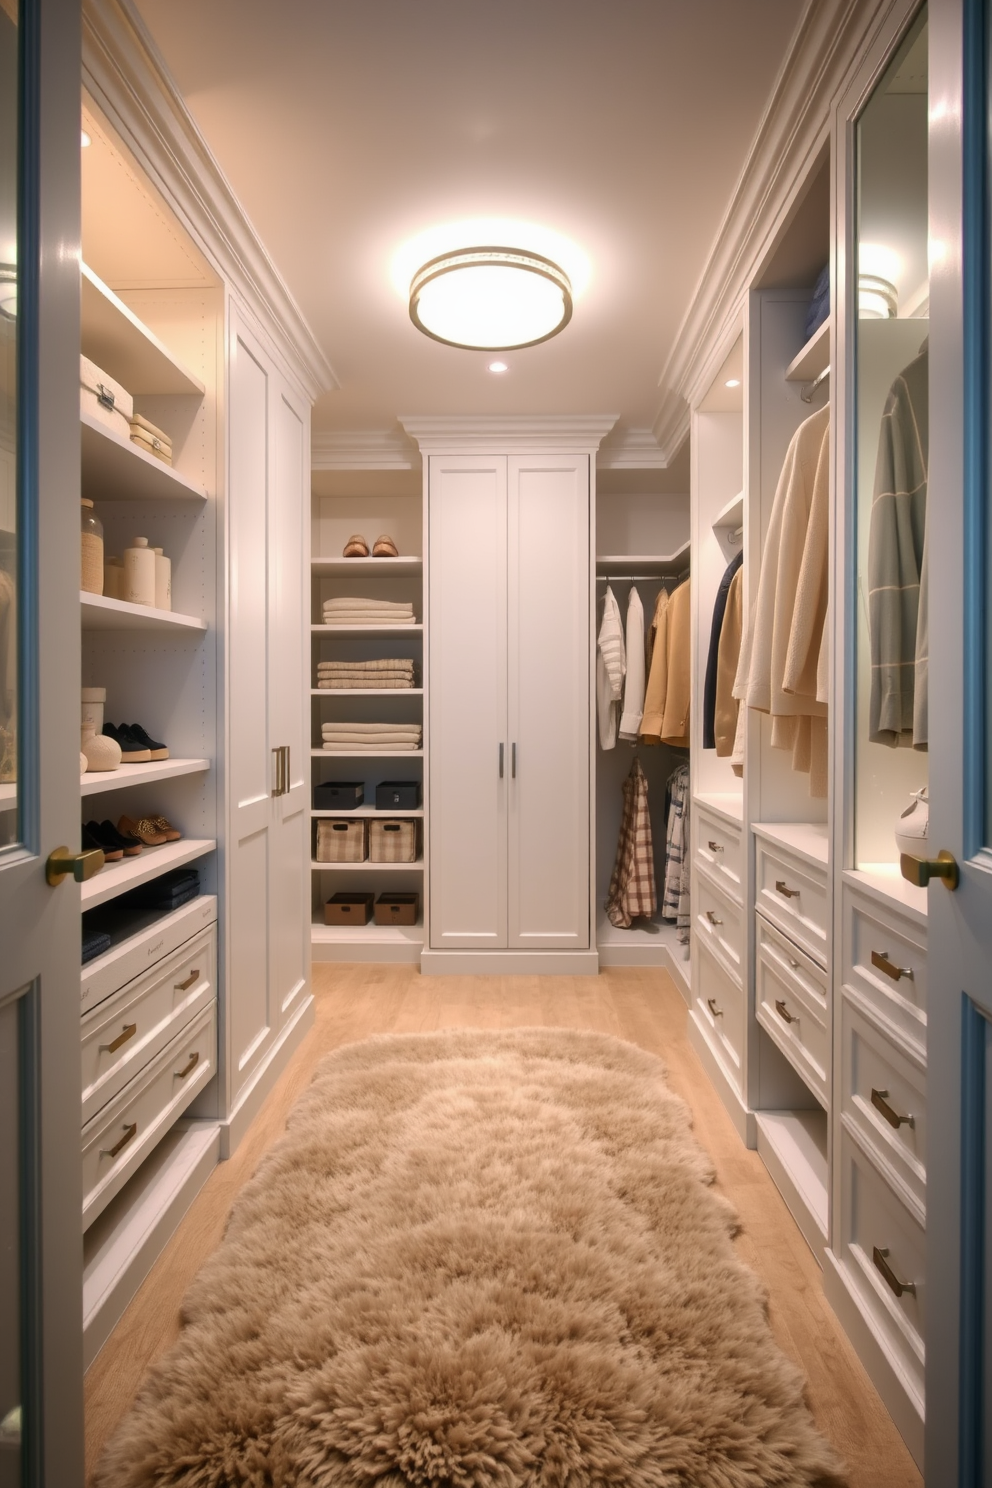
{"points": [[193, 977], [713, 918], [880, 960], [783, 1012], [717, 1012], [879, 1257], [194, 1060], [880, 1103], [715, 846], [128, 1032], [129, 1132], [783, 888]]}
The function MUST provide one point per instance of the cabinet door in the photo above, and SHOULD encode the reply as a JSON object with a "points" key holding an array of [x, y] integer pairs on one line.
{"points": [[467, 707], [549, 701]]}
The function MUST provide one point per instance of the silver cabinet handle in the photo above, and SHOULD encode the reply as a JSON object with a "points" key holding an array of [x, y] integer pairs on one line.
{"points": [[501, 762], [281, 787], [879, 1101], [513, 761], [880, 1257]]}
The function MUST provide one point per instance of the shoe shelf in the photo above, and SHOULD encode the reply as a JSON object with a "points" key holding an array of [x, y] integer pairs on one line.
{"points": [[370, 812], [115, 469], [350, 692], [380, 568], [117, 878], [114, 338], [368, 867], [97, 782], [367, 629], [371, 934], [367, 753], [102, 613]]}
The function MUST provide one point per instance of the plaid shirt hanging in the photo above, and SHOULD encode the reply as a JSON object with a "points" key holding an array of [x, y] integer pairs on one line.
{"points": [[632, 887]]}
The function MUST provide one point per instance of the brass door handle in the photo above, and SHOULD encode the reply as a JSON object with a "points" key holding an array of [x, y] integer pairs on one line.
{"points": [[783, 888], [880, 960], [281, 787], [130, 1029], [129, 1132], [783, 1011], [879, 1257], [880, 1103], [715, 846], [81, 865], [194, 1060], [193, 976], [713, 918], [717, 1012], [501, 762], [920, 871]]}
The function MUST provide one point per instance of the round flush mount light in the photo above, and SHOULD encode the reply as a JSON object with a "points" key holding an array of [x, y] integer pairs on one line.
{"points": [[491, 299], [497, 367], [732, 382], [84, 140]]}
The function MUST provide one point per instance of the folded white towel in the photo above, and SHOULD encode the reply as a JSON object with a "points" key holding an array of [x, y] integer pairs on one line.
{"points": [[376, 682], [380, 664], [361, 747], [354, 602], [343, 621]]}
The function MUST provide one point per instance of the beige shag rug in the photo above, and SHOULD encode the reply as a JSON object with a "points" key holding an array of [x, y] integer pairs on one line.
{"points": [[477, 1260]]}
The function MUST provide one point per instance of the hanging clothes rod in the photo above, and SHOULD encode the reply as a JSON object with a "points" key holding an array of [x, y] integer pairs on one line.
{"points": [[641, 578], [808, 389]]}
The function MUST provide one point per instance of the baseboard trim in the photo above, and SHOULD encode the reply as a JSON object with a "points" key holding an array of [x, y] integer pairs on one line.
{"points": [[897, 1394], [509, 963], [359, 951], [740, 1115], [124, 1242], [251, 1098]]}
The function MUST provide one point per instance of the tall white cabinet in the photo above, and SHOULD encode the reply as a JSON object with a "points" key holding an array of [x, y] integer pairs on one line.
{"points": [[509, 693]]}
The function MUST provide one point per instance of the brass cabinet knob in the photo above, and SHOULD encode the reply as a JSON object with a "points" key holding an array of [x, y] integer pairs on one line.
{"points": [[920, 871], [81, 865]]}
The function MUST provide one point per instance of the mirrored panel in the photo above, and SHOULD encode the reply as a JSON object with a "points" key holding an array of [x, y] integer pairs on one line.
{"points": [[892, 382]]}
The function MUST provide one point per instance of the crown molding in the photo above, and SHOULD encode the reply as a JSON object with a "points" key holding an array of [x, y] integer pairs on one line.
{"points": [[632, 449], [830, 40], [363, 449], [509, 433], [125, 75]]}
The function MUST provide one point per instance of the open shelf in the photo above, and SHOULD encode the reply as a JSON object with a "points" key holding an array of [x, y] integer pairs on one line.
{"points": [[371, 934], [728, 804], [384, 629], [368, 867], [117, 878], [619, 565], [367, 753], [97, 782], [814, 357], [793, 1147], [731, 516], [809, 840], [323, 692], [102, 613], [884, 882], [383, 568], [370, 812], [115, 469], [114, 338]]}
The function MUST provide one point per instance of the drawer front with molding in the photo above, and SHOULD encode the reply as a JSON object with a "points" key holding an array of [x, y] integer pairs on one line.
{"points": [[718, 851], [883, 1099], [882, 1249], [719, 924], [793, 895], [122, 1134], [791, 1004], [885, 965], [720, 1009], [164, 934], [125, 1031]]}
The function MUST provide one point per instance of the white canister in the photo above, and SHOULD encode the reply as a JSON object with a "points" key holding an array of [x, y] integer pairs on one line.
{"points": [[139, 573], [93, 700], [163, 581], [113, 578]]}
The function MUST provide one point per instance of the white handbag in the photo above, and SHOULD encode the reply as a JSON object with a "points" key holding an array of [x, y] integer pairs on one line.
{"points": [[103, 399], [912, 829]]}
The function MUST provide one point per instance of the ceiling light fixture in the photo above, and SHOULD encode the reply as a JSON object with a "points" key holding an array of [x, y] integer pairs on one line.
{"points": [[732, 382], [84, 139], [498, 367], [878, 298], [492, 299]]}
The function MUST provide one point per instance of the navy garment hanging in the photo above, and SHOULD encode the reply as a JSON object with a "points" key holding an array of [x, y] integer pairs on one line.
{"points": [[709, 687]]}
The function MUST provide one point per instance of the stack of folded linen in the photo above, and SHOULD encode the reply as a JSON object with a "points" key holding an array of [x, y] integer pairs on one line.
{"points": [[354, 611], [365, 738], [383, 672]]}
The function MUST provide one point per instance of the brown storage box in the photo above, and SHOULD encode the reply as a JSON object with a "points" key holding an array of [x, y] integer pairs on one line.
{"points": [[348, 909], [393, 841], [341, 841], [397, 909]]}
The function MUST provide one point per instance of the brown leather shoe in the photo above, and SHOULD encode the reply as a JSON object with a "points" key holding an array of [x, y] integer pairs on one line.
{"points": [[384, 547], [172, 834], [144, 829], [356, 547]]}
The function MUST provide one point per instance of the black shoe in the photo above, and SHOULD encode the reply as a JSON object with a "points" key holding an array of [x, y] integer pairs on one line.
{"points": [[157, 751], [133, 752], [91, 843], [106, 832]]}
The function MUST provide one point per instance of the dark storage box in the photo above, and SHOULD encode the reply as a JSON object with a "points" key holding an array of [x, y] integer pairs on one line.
{"points": [[348, 909], [397, 795], [397, 909], [338, 795]]}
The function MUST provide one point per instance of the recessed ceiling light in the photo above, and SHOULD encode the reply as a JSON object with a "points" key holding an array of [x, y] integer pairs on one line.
{"points": [[494, 299], [497, 367], [84, 139], [732, 382]]}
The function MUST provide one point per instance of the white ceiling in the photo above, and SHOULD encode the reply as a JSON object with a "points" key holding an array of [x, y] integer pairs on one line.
{"points": [[349, 127]]}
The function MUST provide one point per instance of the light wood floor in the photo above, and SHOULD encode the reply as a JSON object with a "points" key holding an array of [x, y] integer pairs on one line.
{"points": [[639, 1005]]}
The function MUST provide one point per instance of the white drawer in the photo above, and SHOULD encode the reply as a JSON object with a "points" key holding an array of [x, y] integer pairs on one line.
{"points": [[720, 1007], [792, 893], [163, 934], [718, 851], [118, 1139], [885, 965], [719, 924], [884, 1102], [882, 1249], [125, 1031], [792, 1006]]}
